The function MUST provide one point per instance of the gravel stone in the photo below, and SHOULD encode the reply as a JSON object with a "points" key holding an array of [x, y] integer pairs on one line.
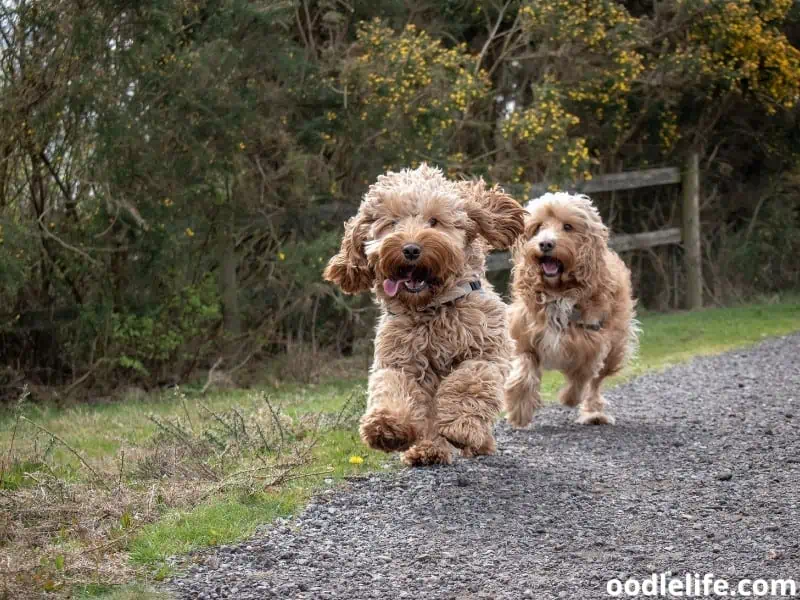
{"points": [[561, 508]]}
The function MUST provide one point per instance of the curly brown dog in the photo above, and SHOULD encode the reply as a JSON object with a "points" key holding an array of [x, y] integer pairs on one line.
{"points": [[442, 349], [572, 308]]}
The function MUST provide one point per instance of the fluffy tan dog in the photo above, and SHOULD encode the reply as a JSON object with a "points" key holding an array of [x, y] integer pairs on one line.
{"points": [[572, 308], [442, 349]]}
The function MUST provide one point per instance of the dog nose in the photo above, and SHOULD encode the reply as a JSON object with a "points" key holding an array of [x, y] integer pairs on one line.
{"points": [[411, 251], [547, 245]]}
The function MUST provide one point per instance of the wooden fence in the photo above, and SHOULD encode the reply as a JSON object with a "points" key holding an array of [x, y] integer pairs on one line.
{"points": [[688, 234]]}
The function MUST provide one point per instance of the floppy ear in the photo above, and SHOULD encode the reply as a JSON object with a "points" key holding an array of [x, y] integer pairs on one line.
{"points": [[590, 265], [350, 269], [498, 218], [524, 278]]}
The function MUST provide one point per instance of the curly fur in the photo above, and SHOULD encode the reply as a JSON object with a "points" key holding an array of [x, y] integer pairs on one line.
{"points": [[592, 282], [436, 382]]}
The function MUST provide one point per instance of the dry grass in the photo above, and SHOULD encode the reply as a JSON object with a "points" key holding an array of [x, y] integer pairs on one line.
{"points": [[65, 523]]}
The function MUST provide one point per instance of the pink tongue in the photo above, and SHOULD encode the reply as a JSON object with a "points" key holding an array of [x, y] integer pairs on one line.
{"points": [[390, 286], [550, 267]]}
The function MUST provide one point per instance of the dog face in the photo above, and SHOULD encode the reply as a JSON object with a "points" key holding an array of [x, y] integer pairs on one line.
{"points": [[564, 241], [416, 233], [419, 244]]}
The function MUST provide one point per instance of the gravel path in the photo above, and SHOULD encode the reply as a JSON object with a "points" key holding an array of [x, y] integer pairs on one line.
{"points": [[701, 473]]}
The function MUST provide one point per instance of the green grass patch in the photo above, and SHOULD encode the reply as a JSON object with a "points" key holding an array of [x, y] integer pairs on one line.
{"points": [[337, 454], [218, 522], [98, 591]]}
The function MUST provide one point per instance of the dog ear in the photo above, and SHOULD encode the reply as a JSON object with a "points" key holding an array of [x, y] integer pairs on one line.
{"points": [[498, 218], [590, 265], [524, 279], [349, 269]]}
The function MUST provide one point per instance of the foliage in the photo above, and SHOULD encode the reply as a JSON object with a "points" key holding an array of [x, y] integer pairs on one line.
{"points": [[416, 92]]}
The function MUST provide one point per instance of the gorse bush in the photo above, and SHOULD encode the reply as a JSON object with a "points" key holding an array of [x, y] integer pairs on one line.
{"points": [[174, 173]]}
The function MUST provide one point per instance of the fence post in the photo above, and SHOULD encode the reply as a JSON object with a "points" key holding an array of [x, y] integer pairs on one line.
{"points": [[691, 232]]}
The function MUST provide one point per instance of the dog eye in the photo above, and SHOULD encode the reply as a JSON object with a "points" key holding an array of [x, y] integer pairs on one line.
{"points": [[537, 228], [433, 222], [393, 222], [567, 227]]}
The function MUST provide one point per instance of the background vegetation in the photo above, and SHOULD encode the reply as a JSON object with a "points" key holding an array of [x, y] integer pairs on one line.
{"points": [[174, 173]]}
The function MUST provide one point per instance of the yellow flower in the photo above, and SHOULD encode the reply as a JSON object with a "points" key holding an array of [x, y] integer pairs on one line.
{"points": [[242, 146], [281, 256], [189, 232], [356, 460]]}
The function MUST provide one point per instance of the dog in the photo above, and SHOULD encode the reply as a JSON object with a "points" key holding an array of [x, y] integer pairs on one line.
{"points": [[572, 309], [442, 350]]}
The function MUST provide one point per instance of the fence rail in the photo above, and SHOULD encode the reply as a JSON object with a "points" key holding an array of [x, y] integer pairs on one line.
{"points": [[629, 180]]}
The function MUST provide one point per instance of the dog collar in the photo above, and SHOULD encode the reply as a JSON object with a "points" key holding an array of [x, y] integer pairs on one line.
{"points": [[459, 291], [576, 317]]}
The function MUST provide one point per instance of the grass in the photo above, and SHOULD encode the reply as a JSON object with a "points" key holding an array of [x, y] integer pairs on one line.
{"points": [[133, 591], [95, 496], [211, 524], [234, 518]]}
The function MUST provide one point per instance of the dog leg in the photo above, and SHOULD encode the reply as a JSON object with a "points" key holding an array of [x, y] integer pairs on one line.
{"points": [[431, 448], [434, 451], [396, 413], [468, 401], [572, 393], [522, 397], [592, 411], [489, 448]]}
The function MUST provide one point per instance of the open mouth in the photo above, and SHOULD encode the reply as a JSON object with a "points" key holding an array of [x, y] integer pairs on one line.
{"points": [[551, 266], [413, 282]]}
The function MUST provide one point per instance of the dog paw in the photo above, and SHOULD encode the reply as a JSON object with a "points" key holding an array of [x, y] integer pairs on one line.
{"points": [[568, 397], [427, 453], [521, 405], [385, 430], [595, 418], [520, 415], [488, 448], [466, 432]]}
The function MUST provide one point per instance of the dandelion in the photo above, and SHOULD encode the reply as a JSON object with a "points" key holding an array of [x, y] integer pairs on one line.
{"points": [[281, 256], [356, 460], [189, 232]]}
